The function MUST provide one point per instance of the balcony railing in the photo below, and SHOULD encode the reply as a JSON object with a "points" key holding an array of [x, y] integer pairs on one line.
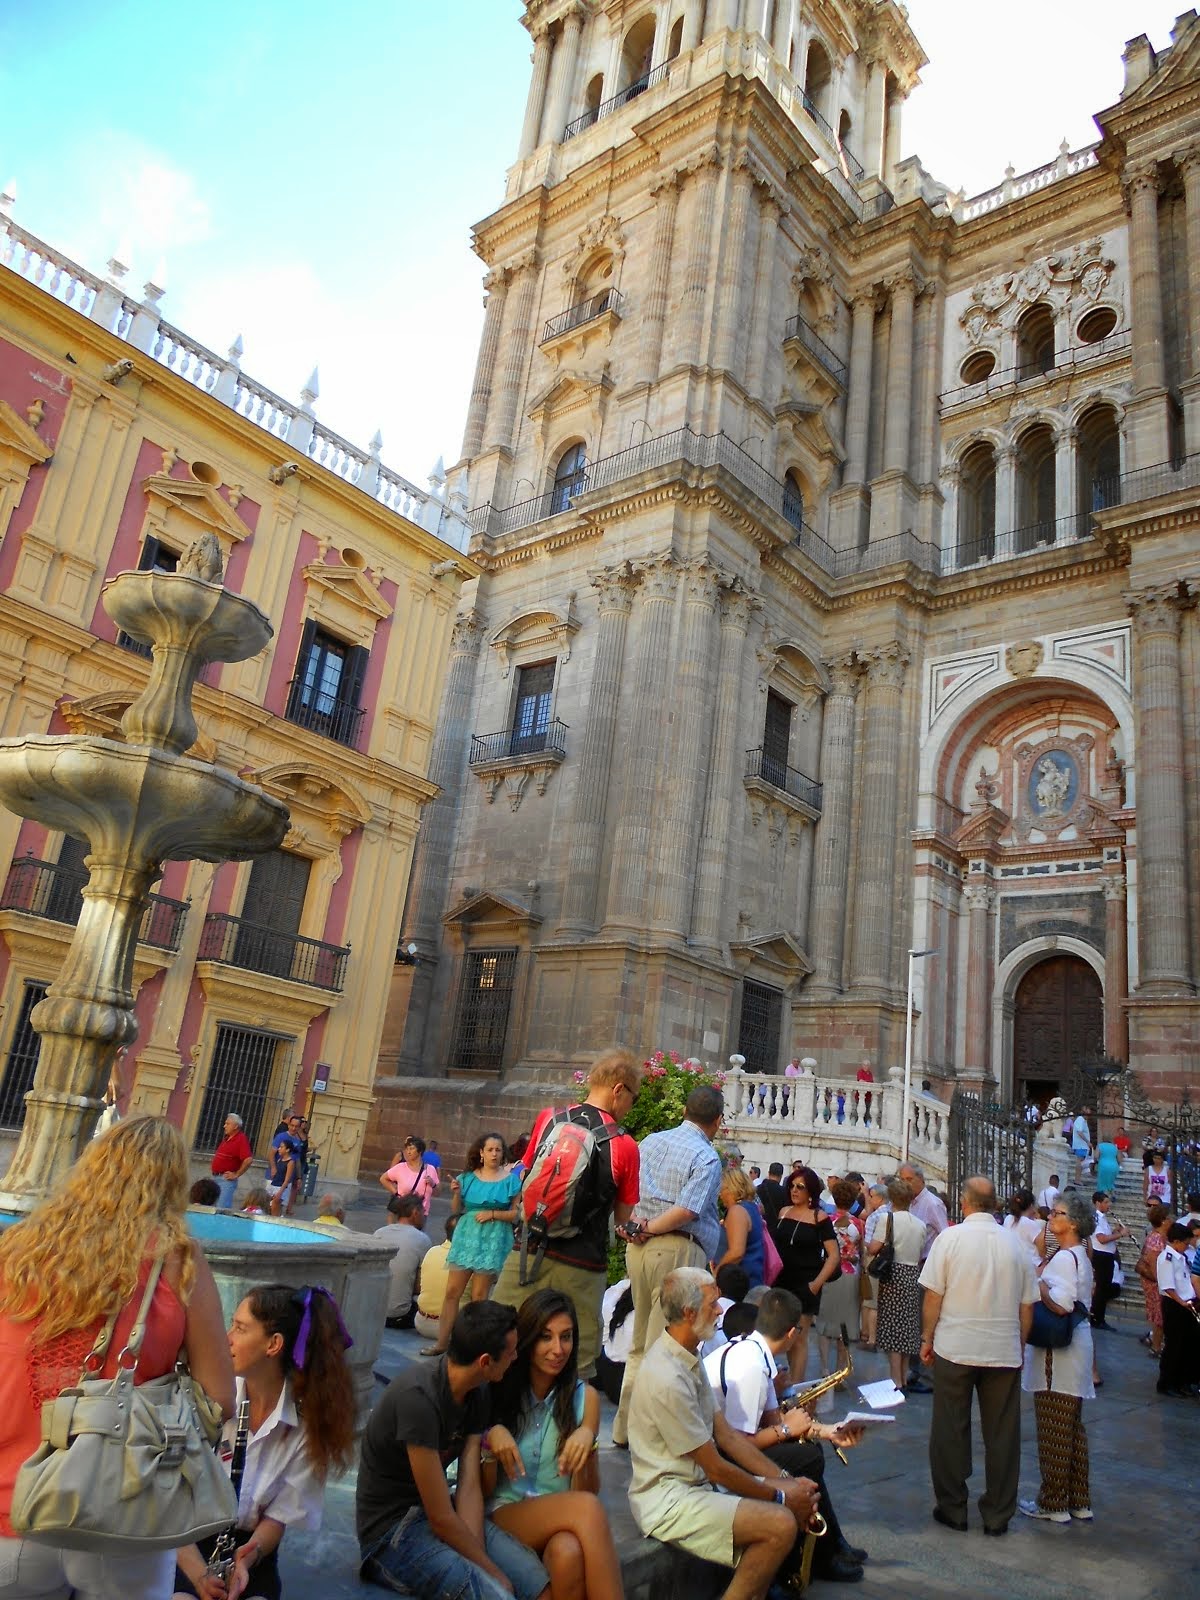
{"points": [[606, 107], [50, 891], [779, 775], [254, 948], [487, 747], [583, 311], [801, 329], [324, 714], [1114, 344], [1009, 543], [853, 165]]}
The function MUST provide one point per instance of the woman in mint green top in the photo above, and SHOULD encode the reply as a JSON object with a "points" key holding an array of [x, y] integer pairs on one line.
{"points": [[541, 1481]]}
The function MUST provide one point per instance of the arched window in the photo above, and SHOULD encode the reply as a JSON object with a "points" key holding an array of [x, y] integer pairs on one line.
{"points": [[817, 77], [977, 505], [1099, 461], [1035, 488], [675, 42], [570, 478], [594, 94], [637, 54], [844, 128], [793, 502], [1035, 342]]}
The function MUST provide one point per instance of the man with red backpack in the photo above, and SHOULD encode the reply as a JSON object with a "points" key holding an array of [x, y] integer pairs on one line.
{"points": [[581, 1169]]}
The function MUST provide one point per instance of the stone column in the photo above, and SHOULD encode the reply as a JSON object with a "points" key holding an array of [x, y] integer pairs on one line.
{"points": [[562, 83], [979, 898], [1141, 188], [832, 845], [949, 478], [784, 13], [518, 331], [874, 127], [536, 103], [1006, 499], [871, 951], [733, 256], [431, 861], [615, 588], [725, 773], [725, 14], [1163, 923], [690, 329], [691, 28], [665, 189], [858, 405], [496, 284], [758, 324], [926, 350], [682, 799], [902, 288], [1188, 163], [634, 832], [1116, 969], [1066, 488]]}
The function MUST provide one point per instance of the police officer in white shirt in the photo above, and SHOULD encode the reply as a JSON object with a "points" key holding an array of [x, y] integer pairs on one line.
{"points": [[1049, 1197], [1104, 1255], [742, 1376], [1179, 1368]]}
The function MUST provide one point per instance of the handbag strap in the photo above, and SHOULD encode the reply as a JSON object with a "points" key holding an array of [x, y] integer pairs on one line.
{"points": [[96, 1356]]}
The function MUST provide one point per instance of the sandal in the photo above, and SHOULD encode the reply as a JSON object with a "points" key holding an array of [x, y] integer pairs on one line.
{"points": [[430, 1350]]}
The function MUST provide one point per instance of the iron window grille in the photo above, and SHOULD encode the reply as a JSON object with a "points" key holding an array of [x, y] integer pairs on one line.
{"points": [[483, 1009], [21, 1066], [239, 1079], [760, 1026]]}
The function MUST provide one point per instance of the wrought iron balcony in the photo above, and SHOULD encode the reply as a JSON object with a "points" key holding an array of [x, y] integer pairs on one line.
{"points": [[50, 891], [254, 948], [582, 311], [324, 714], [800, 329], [606, 107], [517, 742], [853, 165], [769, 769]]}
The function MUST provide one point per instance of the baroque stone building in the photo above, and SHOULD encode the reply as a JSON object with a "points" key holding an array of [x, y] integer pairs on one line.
{"points": [[838, 555]]}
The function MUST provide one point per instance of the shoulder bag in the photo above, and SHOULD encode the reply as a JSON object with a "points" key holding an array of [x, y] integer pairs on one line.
{"points": [[125, 1468], [1053, 1330], [883, 1265]]}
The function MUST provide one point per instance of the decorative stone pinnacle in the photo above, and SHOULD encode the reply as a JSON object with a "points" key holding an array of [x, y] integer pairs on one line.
{"points": [[8, 196], [311, 389], [376, 444], [236, 350]]}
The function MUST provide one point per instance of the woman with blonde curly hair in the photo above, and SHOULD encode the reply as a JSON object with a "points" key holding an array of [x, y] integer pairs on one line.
{"points": [[83, 1255], [743, 1226]]}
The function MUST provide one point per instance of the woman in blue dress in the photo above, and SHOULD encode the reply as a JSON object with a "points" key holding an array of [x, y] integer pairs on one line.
{"points": [[485, 1201], [540, 1474]]}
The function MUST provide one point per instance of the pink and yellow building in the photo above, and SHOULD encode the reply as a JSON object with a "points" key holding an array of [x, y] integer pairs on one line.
{"points": [[260, 985]]}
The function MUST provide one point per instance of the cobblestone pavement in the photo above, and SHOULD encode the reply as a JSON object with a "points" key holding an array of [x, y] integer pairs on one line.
{"points": [[1145, 1454]]}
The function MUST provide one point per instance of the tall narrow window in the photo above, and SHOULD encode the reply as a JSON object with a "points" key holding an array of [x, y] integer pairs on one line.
{"points": [[1035, 488], [531, 714], [569, 479], [271, 913], [760, 1026], [1099, 461], [483, 1010], [155, 557], [793, 502], [325, 693], [1035, 342], [777, 733], [22, 1061], [240, 1079], [977, 506]]}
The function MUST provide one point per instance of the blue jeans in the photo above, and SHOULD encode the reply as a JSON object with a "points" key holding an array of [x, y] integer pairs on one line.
{"points": [[228, 1188], [411, 1560]]}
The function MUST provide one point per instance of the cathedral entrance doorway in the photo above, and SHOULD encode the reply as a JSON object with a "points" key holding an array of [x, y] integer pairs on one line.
{"points": [[1058, 1023]]}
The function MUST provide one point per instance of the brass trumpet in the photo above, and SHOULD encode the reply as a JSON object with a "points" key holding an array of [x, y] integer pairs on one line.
{"points": [[803, 1402]]}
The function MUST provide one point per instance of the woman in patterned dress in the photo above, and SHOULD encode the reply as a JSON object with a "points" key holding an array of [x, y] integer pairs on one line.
{"points": [[485, 1202], [1159, 1219], [899, 1323]]}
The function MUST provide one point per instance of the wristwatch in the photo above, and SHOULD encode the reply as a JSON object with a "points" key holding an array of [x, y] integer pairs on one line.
{"points": [[780, 1498]]}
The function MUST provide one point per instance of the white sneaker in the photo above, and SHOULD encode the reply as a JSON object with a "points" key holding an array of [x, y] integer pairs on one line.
{"points": [[1030, 1508], [1082, 1513]]}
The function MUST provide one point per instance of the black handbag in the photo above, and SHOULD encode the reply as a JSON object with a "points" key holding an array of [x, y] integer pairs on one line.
{"points": [[883, 1265], [1052, 1330]]}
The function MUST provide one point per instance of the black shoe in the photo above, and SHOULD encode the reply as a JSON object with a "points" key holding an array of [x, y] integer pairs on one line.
{"points": [[853, 1552], [1001, 1527], [947, 1521], [918, 1386], [839, 1570]]}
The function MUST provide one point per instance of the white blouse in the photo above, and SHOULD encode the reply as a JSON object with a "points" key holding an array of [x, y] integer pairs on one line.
{"points": [[278, 1481], [1068, 1276]]}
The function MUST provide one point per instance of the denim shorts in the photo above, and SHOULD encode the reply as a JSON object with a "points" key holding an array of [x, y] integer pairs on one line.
{"points": [[412, 1560]]}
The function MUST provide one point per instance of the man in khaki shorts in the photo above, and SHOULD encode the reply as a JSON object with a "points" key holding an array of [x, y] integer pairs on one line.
{"points": [[683, 1450]]}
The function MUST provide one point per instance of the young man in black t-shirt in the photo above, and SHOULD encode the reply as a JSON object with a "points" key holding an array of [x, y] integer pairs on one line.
{"points": [[414, 1536]]}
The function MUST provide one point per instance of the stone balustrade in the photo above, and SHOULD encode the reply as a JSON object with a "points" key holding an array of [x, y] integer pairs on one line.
{"points": [[108, 302], [1017, 186]]}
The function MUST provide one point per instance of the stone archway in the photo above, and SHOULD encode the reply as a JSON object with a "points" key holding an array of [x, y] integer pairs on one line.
{"points": [[1058, 1023]]}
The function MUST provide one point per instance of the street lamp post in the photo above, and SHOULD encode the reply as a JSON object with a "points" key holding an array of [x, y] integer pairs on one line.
{"points": [[913, 955]]}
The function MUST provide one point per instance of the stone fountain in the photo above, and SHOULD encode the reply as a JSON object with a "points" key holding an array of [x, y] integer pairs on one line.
{"points": [[137, 803]]}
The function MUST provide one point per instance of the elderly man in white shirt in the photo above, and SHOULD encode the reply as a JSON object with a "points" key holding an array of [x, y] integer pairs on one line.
{"points": [[979, 1297]]}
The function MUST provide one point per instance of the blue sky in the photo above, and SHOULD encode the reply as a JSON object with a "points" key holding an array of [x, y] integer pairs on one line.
{"points": [[309, 173]]}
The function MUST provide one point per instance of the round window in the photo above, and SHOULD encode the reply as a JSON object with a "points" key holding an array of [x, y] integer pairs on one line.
{"points": [[1097, 325], [978, 366]]}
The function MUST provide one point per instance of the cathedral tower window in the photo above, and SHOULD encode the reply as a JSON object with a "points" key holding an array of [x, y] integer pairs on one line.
{"points": [[1099, 460], [570, 478], [1035, 488], [531, 711], [1035, 342], [977, 505], [793, 502], [675, 43], [818, 77], [637, 55]]}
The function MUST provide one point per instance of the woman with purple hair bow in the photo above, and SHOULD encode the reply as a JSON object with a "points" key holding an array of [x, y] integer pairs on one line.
{"points": [[289, 1358]]}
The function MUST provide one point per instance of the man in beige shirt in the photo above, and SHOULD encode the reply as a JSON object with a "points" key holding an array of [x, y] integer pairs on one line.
{"points": [[979, 1296], [682, 1449]]}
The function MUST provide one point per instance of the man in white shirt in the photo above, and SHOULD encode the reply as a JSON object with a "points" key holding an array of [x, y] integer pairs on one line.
{"points": [[1179, 1368], [927, 1208], [979, 1297], [742, 1377], [405, 1232], [1049, 1197], [1104, 1256], [1081, 1146]]}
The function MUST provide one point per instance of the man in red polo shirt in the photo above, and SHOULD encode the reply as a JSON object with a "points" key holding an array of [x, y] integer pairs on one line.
{"points": [[231, 1159], [577, 1265]]}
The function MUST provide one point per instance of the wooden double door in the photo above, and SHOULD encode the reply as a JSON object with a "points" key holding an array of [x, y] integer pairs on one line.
{"points": [[1058, 1023]]}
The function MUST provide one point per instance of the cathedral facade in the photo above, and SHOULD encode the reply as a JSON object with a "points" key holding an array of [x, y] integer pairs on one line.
{"points": [[838, 548]]}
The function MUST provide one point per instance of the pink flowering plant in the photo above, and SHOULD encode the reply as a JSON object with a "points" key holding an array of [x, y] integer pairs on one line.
{"points": [[666, 1084]]}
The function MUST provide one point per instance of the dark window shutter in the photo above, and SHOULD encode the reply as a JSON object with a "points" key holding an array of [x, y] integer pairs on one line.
{"points": [[149, 553], [355, 671], [307, 640]]}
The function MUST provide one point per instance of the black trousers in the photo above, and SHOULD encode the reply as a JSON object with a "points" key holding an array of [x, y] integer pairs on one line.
{"points": [[1103, 1267], [999, 1392], [804, 1459], [1179, 1367]]}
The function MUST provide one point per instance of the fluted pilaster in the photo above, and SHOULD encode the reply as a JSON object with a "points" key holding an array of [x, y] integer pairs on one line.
{"points": [[535, 105], [518, 331], [496, 284], [832, 844], [1142, 184], [758, 319], [690, 326], [733, 257], [979, 899], [858, 405], [1116, 968], [562, 78], [615, 588], [902, 288], [870, 960], [666, 205]]}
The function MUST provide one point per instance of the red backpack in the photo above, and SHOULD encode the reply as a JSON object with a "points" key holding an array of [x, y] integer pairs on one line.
{"points": [[561, 1189]]}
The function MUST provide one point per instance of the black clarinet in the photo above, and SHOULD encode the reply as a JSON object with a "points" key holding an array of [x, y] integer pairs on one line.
{"points": [[220, 1563]]}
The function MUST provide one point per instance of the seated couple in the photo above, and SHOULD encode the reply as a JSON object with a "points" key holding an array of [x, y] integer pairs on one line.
{"points": [[522, 1518], [698, 1427]]}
